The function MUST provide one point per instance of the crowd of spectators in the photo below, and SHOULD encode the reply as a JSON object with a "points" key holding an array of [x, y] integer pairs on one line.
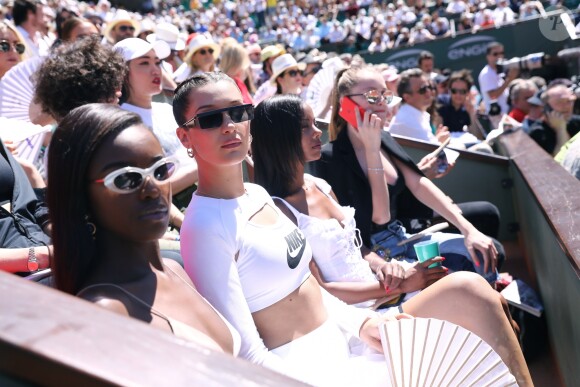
{"points": [[300, 24]]}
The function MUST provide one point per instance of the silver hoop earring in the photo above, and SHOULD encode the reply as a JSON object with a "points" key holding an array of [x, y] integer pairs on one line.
{"points": [[91, 227]]}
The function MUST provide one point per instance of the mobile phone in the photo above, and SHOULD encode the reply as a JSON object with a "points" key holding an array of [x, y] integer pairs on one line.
{"points": [[347, 111], [442, 163]]}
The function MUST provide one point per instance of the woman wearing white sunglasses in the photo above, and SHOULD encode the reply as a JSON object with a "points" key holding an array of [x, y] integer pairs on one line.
{"points": [[109, 200]]}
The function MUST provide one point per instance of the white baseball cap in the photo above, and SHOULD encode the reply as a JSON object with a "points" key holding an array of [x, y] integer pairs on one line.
{"points": [[132, 48]]}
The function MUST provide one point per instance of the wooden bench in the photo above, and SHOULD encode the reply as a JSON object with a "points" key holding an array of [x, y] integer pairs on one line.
{"points": [[49, 338]]}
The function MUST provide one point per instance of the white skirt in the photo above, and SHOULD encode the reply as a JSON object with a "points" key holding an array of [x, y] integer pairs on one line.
{"points": [[329, 357]]}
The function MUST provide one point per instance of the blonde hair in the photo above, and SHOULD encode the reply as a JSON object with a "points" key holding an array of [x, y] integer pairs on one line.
{"points": [[5, 27], [234, 57], [346, 79]]}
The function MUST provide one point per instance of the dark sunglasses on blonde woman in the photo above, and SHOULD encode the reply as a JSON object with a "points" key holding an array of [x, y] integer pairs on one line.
{"points": [[6, 46], [203, 51], [215, 118]]}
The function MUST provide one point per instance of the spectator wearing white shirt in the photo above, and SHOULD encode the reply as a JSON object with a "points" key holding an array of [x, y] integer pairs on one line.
{"points": [[456, 7], [420, 34], [336, 33], [412, 119], [493, 86], [28, 18], [426, 63], [503, 14]]}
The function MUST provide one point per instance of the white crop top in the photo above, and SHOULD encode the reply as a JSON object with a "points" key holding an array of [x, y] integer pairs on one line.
{"points": [[272, 261]]}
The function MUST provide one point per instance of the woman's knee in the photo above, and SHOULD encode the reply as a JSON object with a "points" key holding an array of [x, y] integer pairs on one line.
{"points": [[469, 287]]}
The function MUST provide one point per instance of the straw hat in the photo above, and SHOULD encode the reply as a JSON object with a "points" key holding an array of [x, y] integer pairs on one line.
{"points": [[168, 33], [283, 63], [121, 16], [132, 48], [270, 51]]}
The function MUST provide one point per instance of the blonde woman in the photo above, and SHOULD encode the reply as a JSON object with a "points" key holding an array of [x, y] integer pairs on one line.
{"points": [[235, 63], [12, 48], [201, 57]]}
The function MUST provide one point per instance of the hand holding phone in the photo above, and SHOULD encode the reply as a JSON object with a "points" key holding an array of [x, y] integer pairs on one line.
{"points": [[348, 111]]}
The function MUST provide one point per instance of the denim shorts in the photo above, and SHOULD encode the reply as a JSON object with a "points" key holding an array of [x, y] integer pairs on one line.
{"points": [[451, 246]]}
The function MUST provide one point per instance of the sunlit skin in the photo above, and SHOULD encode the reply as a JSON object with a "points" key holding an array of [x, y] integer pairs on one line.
{"points": [[119, 34], [203, 61], [84, 29], [311, 144], [561, 99], [144, 79], [11, 58], [290, 84], [142, 215], [458, 99], [414, 98]]}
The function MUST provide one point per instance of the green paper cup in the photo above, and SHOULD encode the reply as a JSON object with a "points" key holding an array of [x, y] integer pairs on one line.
{"points": [[427, 250]]}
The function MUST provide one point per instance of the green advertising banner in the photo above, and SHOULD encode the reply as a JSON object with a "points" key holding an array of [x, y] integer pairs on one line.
{"points": [[468, 50]]}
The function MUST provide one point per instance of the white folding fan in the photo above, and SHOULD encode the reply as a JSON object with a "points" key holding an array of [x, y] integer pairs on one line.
{"points": [[16, 93], [17, 90], [430, 352], [321, 85]]}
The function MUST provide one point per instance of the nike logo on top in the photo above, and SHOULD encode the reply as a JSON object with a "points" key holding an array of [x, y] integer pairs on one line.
{"points": [[296, 245]]}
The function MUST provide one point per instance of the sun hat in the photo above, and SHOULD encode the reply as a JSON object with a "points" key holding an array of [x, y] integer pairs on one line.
{"points": [[132, 48], [121, 16], [168, 33], [270, 51], [200, 41], [283, 63]]}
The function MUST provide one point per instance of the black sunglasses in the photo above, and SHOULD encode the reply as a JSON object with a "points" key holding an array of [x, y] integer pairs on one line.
{"points": [[374, 96], [423, 89], [126, 28], [203, 51], [458, 91], [215, 118], [292, 73], [5, 46]]}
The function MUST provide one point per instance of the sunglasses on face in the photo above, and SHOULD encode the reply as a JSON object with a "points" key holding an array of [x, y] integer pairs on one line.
{"points": [[423, 89], [374, 96], [126, 28], [292, 73], [458, 91], [215, 118], [130, 179], [203, 51], [5, 46]]}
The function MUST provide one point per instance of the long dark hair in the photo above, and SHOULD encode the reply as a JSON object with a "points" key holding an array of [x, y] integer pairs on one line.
{"points": [[277, 142], [73, 145]]}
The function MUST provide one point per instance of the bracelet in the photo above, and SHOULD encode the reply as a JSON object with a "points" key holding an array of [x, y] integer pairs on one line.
{"points": [[376, 170]]}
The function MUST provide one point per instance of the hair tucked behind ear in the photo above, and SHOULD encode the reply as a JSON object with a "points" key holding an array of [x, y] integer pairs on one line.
{"points": [[277, 143], [73, 144]]}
